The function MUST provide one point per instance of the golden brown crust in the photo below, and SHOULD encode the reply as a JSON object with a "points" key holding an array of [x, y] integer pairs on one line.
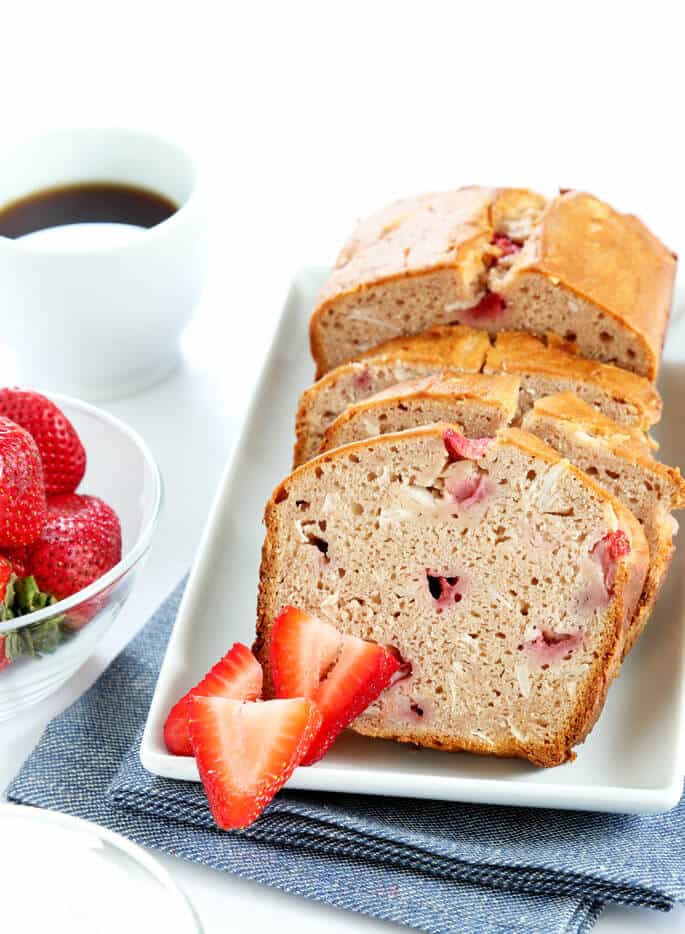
{"points": [[546, 757], [497, 392], [389, 246], [660, 561], [625, 442], [452, 345], [466, 349], [451, 224], [500, 390], [576, 241], [628, 272], [590, 701], [519, 352], [514, 211], [568, 407]]}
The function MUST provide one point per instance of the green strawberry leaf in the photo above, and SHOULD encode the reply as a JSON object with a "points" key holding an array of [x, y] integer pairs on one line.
{"points": [[21, 598]]}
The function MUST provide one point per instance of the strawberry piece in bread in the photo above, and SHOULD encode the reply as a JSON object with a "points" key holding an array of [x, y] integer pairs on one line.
{"points": [[608, 551], [236, 676], [489, 308], [507, 246], [342, 674], [460, 448], [246, 752]]}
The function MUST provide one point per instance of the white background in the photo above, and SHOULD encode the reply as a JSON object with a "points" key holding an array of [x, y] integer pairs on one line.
{"points": [[305, 116]]}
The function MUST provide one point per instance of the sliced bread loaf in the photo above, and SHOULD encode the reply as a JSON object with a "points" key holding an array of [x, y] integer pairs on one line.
{"points": [[542, 365], [510, 605], [480, 404], [620, 459], [500, 259], [545, 368], [458, 349]]}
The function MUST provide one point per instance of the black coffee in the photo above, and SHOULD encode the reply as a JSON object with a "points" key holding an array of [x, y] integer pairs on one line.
{"points": [[87, 203]]}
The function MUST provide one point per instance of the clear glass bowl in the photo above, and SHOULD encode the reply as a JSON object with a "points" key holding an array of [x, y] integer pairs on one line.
{"points": [[122, 471]]}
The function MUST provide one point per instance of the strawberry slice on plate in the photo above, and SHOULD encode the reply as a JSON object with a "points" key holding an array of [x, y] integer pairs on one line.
{"points": [[237, 676], [246, 752], [342, 674]]}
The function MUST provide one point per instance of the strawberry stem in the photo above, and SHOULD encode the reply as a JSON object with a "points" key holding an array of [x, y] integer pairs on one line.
{"points": [[22, 597]]}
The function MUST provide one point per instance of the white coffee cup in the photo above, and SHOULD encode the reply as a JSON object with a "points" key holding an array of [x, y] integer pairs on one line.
{"points": [[91, 317]]}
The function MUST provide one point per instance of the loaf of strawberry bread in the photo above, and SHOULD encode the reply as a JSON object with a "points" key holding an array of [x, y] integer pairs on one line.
{"points": [[542, 365], [500, 259], [502, 574]]}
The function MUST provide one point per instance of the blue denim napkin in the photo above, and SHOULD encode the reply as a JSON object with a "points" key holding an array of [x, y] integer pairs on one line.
{"points": [[437, 867]]}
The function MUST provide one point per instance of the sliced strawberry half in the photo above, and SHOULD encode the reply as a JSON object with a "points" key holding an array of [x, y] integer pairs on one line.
{"points": [[246, 752], [342, 674], [238, 676]]}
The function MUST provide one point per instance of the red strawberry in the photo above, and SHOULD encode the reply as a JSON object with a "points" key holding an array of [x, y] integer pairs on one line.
{"points": [[61, 451], [237, 676], [246, 752], [81, 541], [341, 674], [608, 551], [22, 490], [20, 559], [460, 448], [490, 307], [507, 246]]}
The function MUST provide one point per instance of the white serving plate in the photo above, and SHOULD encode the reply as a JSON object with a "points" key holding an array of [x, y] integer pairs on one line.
{"points": [[634, 759]]}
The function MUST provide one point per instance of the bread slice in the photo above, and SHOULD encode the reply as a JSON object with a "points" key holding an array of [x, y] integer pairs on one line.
{"points": [[480, 404], [509, 603], [457, 349], [621, 460], [545, 368], [500, 259], [542, 365]]}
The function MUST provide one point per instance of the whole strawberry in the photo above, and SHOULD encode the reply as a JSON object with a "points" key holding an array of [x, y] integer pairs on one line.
{"points": [[81, 541], [61, 451], [20, 559], [22, 490]]}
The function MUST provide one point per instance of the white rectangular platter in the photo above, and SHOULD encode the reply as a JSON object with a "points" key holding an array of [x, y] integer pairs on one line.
{"points": [[633, 760]]}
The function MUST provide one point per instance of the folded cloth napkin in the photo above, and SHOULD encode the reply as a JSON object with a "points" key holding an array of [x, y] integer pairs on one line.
{"points": [[437, 867]]}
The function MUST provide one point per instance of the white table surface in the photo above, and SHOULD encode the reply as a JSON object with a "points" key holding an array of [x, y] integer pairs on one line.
{"points": [[306, 116]]}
